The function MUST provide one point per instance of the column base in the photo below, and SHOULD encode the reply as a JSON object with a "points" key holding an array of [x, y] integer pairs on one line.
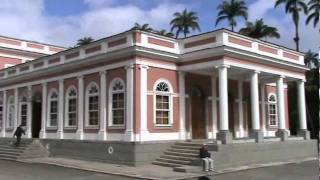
{"points": [[182, 135], [79, 135], [224, 136], [42, 134], [282, 134], [257, 135], [129, 136], [60, 134], [304, 133], [102, 135]]}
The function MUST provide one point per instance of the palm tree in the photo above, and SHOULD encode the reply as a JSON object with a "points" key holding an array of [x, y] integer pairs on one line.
{"points": [[165, 33], [314, 7], [183, 22], [230, 10], [259, 30], [311, 59], [84, 41], [143, 27], [294, 7]]}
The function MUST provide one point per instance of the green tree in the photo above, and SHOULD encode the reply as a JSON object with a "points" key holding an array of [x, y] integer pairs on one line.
{"points": [[165, 33], [259, 30], [314, 10], [183, 22], [84, 41], [311, 59], [294, 7], [143, 27], [230, 10]]}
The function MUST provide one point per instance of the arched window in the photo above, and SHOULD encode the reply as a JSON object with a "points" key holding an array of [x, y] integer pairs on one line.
{"points": [[52, 108], [272, 110], [10, 112], [71, 107], [92, 105], [163, 103], [1, 113], [23, 111], [117, 102]]}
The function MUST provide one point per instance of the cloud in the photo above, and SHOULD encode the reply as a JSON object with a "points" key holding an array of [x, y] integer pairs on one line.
{"points": [[259, 8], [30, 22]]}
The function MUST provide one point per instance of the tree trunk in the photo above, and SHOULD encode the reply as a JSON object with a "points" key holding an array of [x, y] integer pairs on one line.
{"points": [[296, 39]]}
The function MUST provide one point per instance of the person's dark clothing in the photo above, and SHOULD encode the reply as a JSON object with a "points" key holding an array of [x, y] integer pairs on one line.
{"points": [[18, 133], [204, 153]]}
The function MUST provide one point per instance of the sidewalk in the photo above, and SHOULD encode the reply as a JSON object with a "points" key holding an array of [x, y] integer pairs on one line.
{"points": [[143, 172]]}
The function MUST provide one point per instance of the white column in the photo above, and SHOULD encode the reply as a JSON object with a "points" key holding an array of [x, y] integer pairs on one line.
{"points": [[144, 102], [29, 113], [240, 108], [129, 104], [61, 109], [16, 109], [182, 104], [280, 104], [223, 100], [103, 106], [254, 87], [263, 109], [214, 105], [44, 111], [80, 107], [4, 115], [302, 106]]}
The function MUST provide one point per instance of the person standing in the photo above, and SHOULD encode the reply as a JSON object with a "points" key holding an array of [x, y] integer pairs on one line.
{"points": [[206, 158], [18, 133]]}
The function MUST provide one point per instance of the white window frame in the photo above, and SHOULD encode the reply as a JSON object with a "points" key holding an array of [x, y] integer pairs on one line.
{"points": [[23, 101], [110, 103], [276, 110], [1, 113], [48, 124], [67, 98], [10, 104], [170, 94], [87, 125]]}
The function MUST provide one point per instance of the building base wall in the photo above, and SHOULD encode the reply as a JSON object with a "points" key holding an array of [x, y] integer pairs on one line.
{"points": [[233, 155], [126, 153]]}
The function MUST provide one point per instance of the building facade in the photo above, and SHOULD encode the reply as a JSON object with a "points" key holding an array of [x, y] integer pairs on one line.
{"points": [[138, 86]]}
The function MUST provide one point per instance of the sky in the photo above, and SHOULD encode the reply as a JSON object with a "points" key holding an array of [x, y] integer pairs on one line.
{"points": [[63, 22]]}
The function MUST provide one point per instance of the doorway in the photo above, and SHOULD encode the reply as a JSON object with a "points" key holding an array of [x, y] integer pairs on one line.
{"points": [[36, 116], [198, 122]]}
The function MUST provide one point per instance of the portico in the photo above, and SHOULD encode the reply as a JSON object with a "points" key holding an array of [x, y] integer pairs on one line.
{"points": [[236, 104]]}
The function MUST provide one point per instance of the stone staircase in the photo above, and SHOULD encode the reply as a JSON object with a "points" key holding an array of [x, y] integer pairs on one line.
{"points": [[180, 154], [29, 148]]}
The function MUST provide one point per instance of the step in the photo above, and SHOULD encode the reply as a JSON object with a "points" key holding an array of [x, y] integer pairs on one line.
{"points": [[174, 161], [8, 156], [13, 147], [11, 150], [192, 144], [183, 158], [185, 147], [193, 155], [191, 151], [10, 153], [166, 164]]}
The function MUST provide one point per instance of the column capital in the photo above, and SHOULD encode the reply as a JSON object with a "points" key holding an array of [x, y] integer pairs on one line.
{"points": [[44, 83], [141, 66], [182, 73], [130, 66], [104, 72], [223, 66], [281, 76], [29, 87], [255, 72], [61, 80], [301, 80], [80, 77]]}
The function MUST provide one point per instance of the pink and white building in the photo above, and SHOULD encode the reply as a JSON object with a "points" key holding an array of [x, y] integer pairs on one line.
{"points": [[139, 86]]}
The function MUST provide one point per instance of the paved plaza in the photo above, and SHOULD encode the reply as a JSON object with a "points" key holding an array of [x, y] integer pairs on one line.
{"points": [[10, 170]]}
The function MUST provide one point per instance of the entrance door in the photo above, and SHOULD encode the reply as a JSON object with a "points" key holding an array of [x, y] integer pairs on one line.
{"points": [[36, 118], [198, 114]]}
